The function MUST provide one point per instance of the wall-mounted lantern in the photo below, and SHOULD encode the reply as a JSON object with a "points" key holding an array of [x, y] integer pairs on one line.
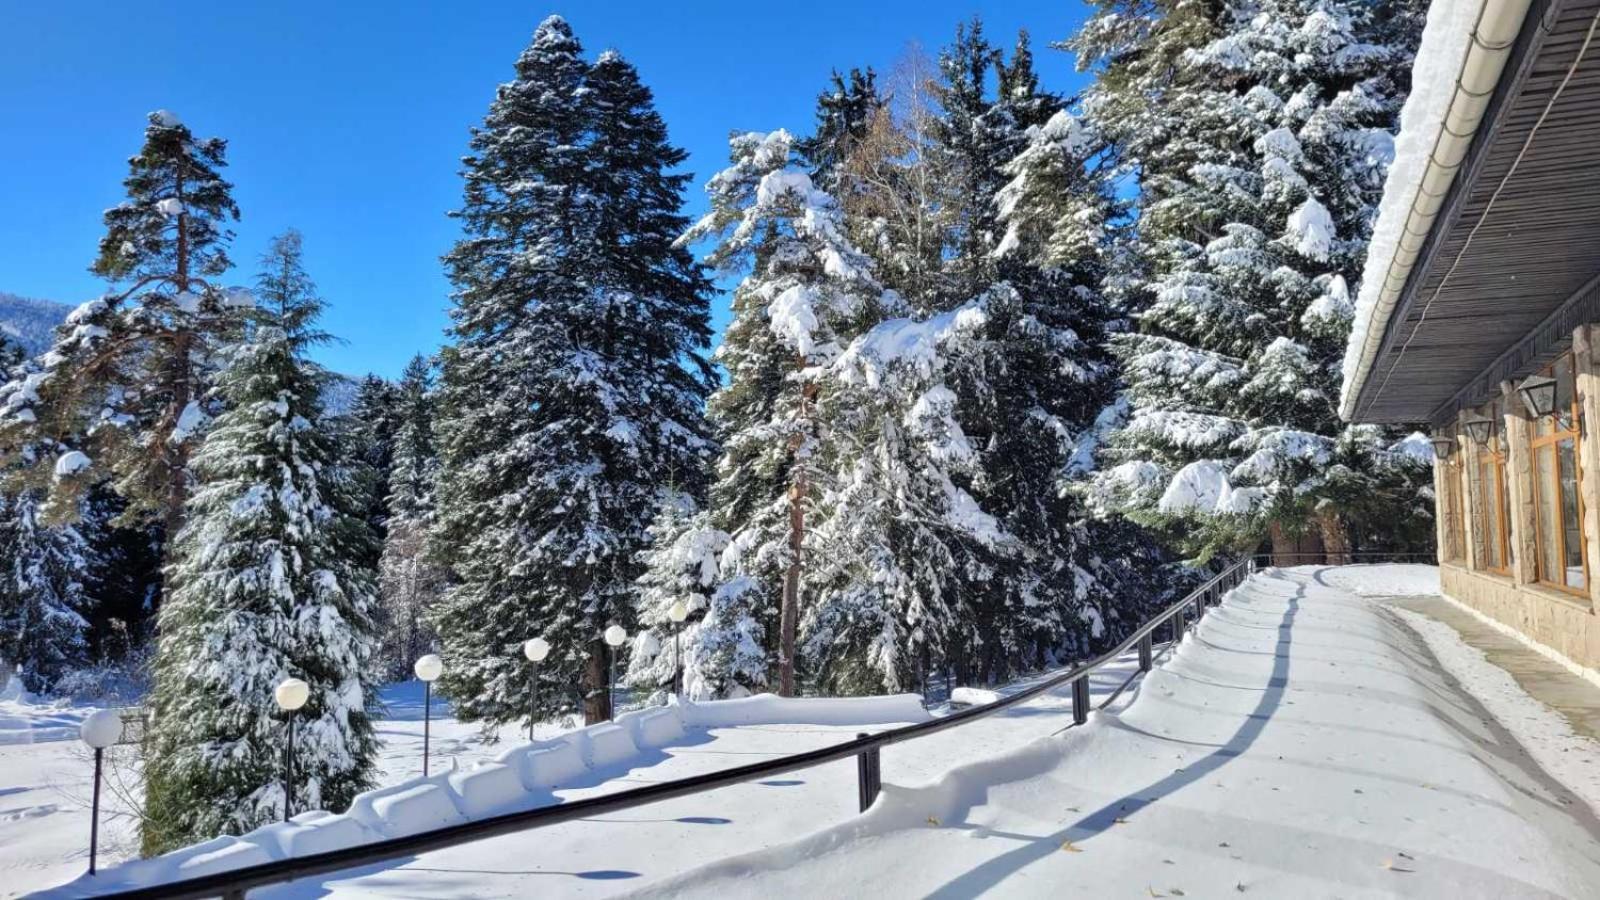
{"points": [[1538, 393], [1480, 430], [1442, 445]]}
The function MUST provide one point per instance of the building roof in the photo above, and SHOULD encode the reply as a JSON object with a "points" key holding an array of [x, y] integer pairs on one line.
{"points": [[1487, 247]]}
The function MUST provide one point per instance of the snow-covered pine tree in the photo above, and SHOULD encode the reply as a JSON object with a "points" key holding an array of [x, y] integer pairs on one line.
{"points": [[1260, 133], [572, 392], [262, 588], [366, 436], [805, 290], [718, 659], [410, 580], [128, 372], [43, 603], [898, 541], [844, 115]]}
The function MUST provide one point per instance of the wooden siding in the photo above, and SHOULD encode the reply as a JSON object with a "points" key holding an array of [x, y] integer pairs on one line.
{"points": [[1529, 275]]}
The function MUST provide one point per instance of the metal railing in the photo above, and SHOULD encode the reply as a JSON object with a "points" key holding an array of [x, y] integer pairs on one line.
{"points": [[865, 748]]}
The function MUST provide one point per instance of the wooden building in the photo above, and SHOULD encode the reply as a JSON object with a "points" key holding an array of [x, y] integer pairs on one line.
{"points": [[1480, 309]]}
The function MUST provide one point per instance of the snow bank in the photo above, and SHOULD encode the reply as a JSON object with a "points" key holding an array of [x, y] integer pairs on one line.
{"points": [[530, 772], [770, 709], [1384, 580]]}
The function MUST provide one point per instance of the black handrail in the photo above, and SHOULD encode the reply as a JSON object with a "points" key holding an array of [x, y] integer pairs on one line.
{"points": [[235, 882]]}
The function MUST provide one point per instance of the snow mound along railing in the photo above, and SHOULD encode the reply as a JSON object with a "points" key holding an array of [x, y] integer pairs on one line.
{"points": [[438, 812]]}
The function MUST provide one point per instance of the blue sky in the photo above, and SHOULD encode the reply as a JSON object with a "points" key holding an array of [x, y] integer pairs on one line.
{"points": [[347, 119]]}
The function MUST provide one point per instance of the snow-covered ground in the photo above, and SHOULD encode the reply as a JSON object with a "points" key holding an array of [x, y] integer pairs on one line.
{"points": [[1302, 743], [45, 777], [601, 856]]}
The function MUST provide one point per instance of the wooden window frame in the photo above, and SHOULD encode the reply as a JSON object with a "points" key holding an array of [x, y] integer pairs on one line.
{"points": [[1553, 440], [1455, 549], [1493, 457]]}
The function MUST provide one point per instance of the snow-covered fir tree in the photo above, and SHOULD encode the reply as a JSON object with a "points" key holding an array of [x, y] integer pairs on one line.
{"points": [[261, 588], [128, 373], [410, 580], [366, 435], [43, 601], [898, 542], [805, 291], [572, 392], [1260, 133], [844, 115], [683, 564]]}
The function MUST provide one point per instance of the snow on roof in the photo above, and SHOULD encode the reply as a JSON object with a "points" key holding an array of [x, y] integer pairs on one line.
{"points": [[1445, 61]]}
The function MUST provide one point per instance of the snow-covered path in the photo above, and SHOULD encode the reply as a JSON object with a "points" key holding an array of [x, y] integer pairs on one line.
{"points": [[1303, 743]]}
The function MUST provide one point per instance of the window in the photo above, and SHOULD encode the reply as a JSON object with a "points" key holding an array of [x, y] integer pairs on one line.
{"points": [[1558, 517], [1492, 506], [1454, 542]]}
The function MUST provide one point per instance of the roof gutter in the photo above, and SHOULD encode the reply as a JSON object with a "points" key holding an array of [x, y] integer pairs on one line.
{"points": [[1494, 32]]}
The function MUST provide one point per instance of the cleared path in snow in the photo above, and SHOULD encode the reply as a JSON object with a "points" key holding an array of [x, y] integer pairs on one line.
{"points": [[1303, 742]]}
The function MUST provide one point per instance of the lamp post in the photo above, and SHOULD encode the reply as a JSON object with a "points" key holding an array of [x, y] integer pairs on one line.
{"points": [[535, 649], [677, 613], [99, 731], [291, 694], [428, 669], [614, 636]]}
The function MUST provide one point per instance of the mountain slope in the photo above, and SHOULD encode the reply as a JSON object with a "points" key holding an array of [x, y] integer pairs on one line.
{"points": [[30, 322]]}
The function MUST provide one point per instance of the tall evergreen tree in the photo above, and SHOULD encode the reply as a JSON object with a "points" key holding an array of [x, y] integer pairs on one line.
{"points": [[806, 291], [263, 587], [410, 579], [571, 394], [43, 602], [844, 114], [128, 373], [367, 444], [1261, 133]]}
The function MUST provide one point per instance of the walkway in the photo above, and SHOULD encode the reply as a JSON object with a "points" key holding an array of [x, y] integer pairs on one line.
{"points": [[1304, 742]]}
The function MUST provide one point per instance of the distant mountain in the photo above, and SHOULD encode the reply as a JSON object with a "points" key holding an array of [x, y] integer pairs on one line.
{"points": [[30, 322]]}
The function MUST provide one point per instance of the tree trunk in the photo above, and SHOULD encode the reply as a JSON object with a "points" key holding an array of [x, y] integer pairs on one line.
{"points": [[1283, 546], [1335, 537], [597, 684]]}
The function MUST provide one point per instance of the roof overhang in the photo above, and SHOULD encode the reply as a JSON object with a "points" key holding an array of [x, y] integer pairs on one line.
{"points": [[1483, 274]]}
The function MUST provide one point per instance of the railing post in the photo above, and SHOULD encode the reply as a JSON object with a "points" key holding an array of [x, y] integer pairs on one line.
{"points": [[1080, 699], [1177, 627], [869, 778], [1147, 653]]}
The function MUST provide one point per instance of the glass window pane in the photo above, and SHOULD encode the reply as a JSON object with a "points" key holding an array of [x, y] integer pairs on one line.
{"points": [[1562, 372], [1544, 464], [1480, 530], [1491, 515], [1571, 524]]}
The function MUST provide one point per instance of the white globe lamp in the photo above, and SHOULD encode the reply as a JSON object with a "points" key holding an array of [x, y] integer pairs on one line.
{"points": [[429, 668], [100, 730]]}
